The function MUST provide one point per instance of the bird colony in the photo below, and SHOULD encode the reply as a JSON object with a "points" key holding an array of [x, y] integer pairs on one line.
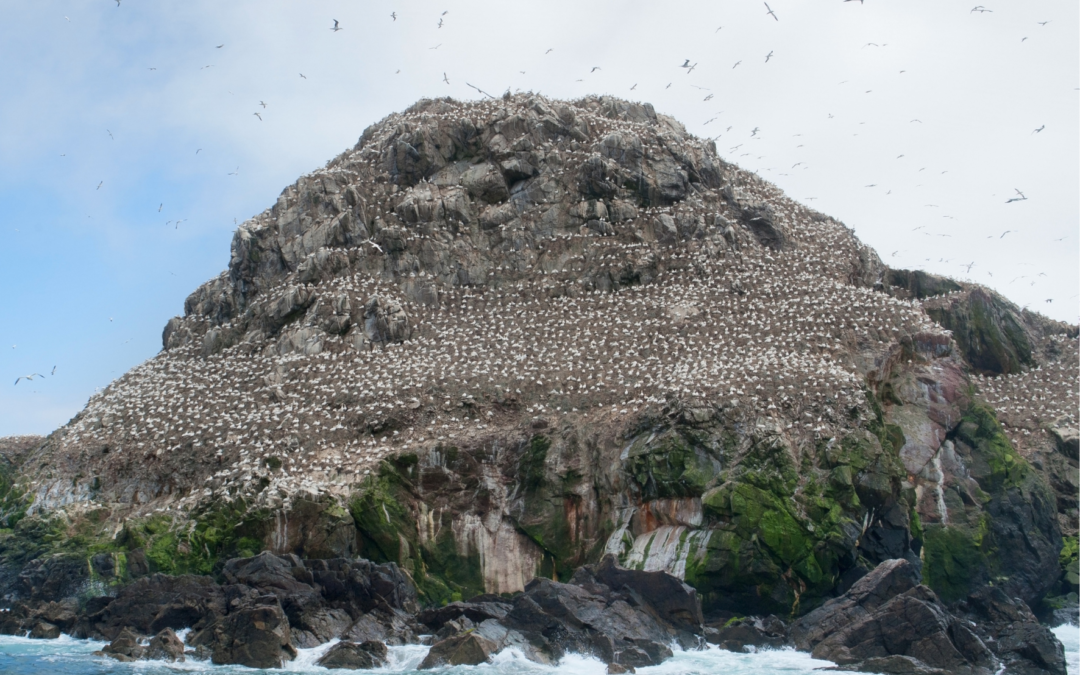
{"points": [[470, 267]]}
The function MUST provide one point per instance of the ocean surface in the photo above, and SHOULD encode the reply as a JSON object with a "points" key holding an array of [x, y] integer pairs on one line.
{"points": [[23, 656]]}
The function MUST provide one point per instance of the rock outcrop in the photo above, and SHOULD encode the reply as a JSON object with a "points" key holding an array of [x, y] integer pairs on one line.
{"points": [[495, 341], [890, 623]]}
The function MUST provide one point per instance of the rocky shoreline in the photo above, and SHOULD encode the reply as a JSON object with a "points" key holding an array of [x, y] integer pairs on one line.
{"points": [[263, 608]]}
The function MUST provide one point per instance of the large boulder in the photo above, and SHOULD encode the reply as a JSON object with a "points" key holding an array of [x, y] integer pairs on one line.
{"points": [[914, 625], [256, 635], [354, 656], [165, 646], [884, 582], [469, 649]]}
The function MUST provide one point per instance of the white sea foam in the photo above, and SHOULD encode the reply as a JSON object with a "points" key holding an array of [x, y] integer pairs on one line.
{"points": [[1070, 639]]}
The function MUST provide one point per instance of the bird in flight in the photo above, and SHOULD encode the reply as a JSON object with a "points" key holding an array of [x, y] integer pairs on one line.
{"points": [[233, 173], [393, 15], [257, 115], [262, 104], [436, 46], [753, 132], [548, 52], [219, 46], [32, 376], [336, 27], [633, 87], [159, 207], [445, 79], [99, 185], [708, 97], [118, 3], [440, 23], [198, 151], [686, 64], [736, 65], [110, 134], [770, 12], [151, 68], [1004, 233], [53, 371], [969, 266], [980, 9], [768, 56], [303, 76], [1021, 198], [691, 69], [1041, 23], [1039, 129], [595, 68]]}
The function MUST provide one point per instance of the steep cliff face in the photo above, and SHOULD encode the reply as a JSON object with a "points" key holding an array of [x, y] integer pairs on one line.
{"points": [[496, 340]]}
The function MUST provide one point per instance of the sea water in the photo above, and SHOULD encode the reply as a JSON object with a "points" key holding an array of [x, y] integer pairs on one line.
{"points": [[67, 656]]}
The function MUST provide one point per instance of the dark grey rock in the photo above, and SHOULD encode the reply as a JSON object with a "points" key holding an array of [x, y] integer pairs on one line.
{"points": [[354, 656]]}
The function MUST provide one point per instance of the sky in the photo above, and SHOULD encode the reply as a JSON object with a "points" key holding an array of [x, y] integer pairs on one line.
{"points": [[130, 149]]}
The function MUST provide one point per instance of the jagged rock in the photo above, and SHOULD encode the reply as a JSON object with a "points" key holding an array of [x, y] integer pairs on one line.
{"points": [[151, 604], [1014, 633], [354, 656], [165, 646], [675, 602], [386, 321], [461, 650], [1067, 441], [125, 647], [753, 632], [913, 624], [256, 635], [43, 630], [887, 580]]}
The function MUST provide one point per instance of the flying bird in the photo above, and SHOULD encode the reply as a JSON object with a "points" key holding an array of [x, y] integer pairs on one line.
{"points": [[770, 12], [233, 173], [445, 78], [99, 185], [336, 27], [736, 65], [633, 87], [753, 132], [53, 371], [159, 207], [219, 46], [548, 52], [32, 376], [440, 23], [303, 76], [768, 56], [686, 64], [262, 104], [980, 9], [1021, 198], [595, 68], [257, 115], [1004, 233], [1039, 129], [393, 15], [110, 134]]}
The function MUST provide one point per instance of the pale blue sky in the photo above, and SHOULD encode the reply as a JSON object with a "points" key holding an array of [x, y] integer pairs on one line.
{"points": [[92, 274]]}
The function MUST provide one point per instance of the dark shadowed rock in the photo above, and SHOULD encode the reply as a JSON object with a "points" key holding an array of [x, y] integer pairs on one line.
{"points": [[751, 632], [915, 625], [125, 647], [154, 603], [1014, 634], [354, 656], [165, 646], [885, 581], [461, 650], [43, 630], [256, 635], [674, 601]]}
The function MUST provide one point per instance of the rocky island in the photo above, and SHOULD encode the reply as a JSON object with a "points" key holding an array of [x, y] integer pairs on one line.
{"points": [[554, 376]]}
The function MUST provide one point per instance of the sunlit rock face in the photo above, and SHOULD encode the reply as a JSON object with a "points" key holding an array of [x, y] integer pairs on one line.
{"points": [[497, 339]]}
